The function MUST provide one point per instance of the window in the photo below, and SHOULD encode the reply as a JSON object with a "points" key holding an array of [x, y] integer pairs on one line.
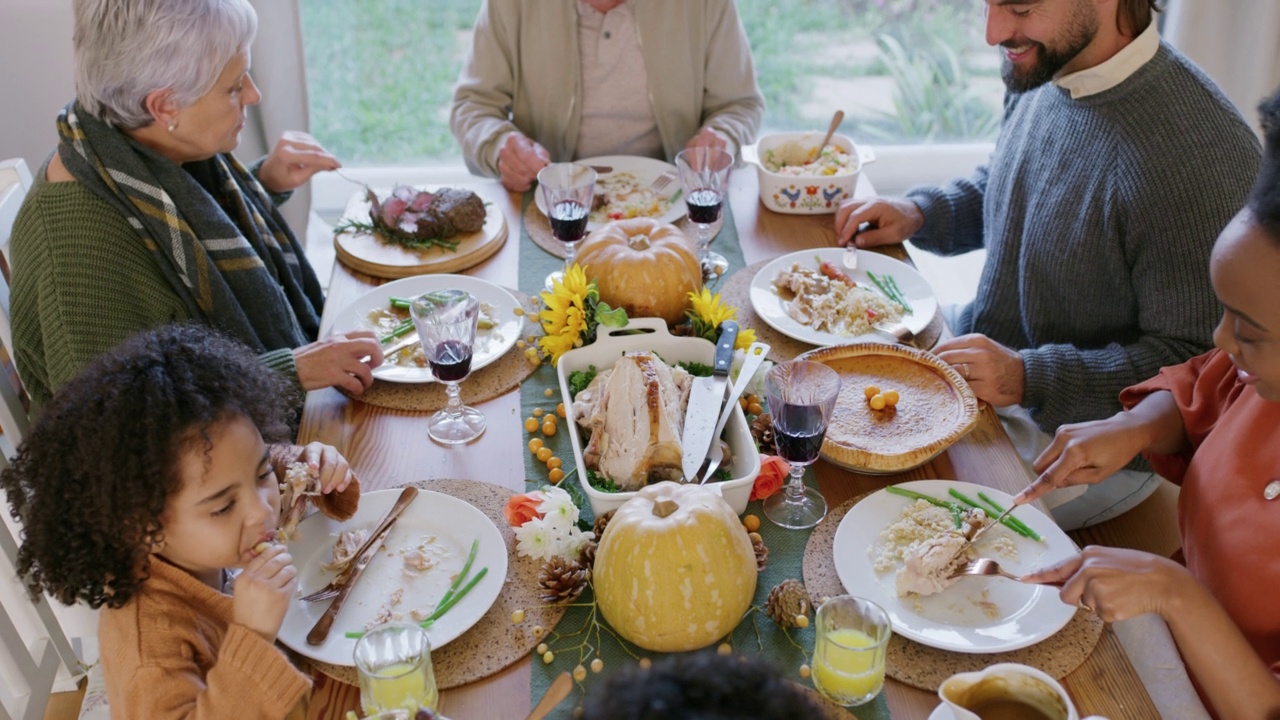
{"points": [[904, 71]]}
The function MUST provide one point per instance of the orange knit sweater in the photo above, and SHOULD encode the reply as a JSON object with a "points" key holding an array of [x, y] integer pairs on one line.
{"points": [[173, 652]]}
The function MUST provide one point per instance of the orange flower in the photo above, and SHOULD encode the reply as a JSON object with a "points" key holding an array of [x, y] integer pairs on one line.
{"points": [[773, 473], [521, 509]]}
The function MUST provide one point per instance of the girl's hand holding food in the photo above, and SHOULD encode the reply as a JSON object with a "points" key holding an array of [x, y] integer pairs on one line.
{"points": [[263, 591], [334, 471]]}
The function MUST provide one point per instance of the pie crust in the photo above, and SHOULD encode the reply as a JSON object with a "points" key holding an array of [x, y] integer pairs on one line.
{"points": [[935, 409]]}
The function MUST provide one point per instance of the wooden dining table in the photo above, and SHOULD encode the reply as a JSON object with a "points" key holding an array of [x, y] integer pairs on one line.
{"points": [[389, 448]]}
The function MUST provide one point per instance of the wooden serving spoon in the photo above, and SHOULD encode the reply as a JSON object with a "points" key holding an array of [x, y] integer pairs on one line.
{"points": [[835, 123], [555, 694]]}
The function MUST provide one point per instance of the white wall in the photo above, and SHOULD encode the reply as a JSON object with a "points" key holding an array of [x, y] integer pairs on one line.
{"points": [[35, 75]]}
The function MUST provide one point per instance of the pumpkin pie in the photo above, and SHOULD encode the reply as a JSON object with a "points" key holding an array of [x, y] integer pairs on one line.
{"points": [[935, 407]]}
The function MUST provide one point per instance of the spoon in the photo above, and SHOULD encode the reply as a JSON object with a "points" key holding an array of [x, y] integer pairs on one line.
{"points": [[555, 694], [835, 123]]}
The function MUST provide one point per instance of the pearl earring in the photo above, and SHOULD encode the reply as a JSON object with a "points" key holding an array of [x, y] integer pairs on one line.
{"points": [[173, 126]]}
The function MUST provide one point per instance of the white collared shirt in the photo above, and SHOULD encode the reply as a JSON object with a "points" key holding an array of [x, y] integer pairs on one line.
{"points": [[1115, 69]]}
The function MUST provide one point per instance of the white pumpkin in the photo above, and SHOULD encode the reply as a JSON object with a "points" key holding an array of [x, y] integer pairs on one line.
{"points": [[675, 570]]}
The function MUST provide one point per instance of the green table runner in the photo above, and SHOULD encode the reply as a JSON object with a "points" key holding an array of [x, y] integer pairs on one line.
{"points": [[787, 650]]}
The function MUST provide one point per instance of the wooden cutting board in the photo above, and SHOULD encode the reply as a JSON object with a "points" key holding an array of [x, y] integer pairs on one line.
{"points": [[370, 254]]}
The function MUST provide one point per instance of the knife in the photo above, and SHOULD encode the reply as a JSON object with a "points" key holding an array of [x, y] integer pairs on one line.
{"points": [[325, 623], [705, 400], [395, 347]]}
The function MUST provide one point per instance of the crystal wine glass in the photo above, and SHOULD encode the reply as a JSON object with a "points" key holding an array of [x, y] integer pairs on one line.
{"points": [[801, 396], [704, 174], [446, 322], [567, 190]]}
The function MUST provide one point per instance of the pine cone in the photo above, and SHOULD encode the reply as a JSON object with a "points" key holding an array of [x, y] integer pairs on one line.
{"points": [[602, 521], [684, 329], [587, 555], [561, 580], [762, 432], [787, 601], [762, 552]]}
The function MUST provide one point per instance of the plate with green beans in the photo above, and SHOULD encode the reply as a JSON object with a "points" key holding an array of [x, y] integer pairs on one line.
{"points": [[824, 314], [442, 564], [385, 311], [973, 614]]}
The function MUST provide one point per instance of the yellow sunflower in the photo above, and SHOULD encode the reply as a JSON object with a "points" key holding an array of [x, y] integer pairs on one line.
{"points": [[564, 314], [707, 311]]}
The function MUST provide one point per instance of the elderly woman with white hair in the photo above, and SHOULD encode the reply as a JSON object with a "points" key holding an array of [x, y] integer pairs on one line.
{"points": [[142, 216]]}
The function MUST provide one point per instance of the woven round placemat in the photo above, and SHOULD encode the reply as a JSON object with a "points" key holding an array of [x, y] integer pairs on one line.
{"points": [[926, 668], [539, 229], [494, 642], [737, 292], [498, 378]]}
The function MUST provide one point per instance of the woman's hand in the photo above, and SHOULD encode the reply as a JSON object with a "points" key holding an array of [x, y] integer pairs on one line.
{"points": [[263, 591], [1118, 584], [519, 160], [339, 361], [892, 220], [1086, 453], [295, 158]]}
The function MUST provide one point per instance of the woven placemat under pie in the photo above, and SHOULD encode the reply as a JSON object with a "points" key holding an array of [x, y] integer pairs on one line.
{"points": [[539, 229], [925, 667], [498, 378], [494, 642], [736, 291]]}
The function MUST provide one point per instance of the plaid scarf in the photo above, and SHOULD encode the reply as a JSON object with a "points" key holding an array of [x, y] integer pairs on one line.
{"points": [[212, 229]]}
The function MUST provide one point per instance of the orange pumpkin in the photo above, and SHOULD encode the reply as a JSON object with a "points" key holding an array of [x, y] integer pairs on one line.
{"points": [[643, 265]]}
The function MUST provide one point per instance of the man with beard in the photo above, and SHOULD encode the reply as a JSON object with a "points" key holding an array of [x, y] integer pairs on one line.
{"points": [[1118, 162]]}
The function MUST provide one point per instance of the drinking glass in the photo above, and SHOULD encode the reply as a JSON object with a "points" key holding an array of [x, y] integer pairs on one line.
{"points": [[852, 635], [801, 396], [446, 322], [567, 191], [704, 175], [393, 661]]}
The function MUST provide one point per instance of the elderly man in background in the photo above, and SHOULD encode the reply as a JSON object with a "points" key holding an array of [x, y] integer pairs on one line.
{"points": [[557, 80], [1118, 163], [143, 217]]}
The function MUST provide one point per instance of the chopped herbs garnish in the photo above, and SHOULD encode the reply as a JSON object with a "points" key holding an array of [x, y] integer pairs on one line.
{"points": [[579, 380]]}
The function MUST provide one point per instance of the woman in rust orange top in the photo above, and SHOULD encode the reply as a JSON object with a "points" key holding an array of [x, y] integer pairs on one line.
{"points": [[1212, 425]]}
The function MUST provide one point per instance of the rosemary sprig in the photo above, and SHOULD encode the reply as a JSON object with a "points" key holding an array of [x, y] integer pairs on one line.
{"points": [[399, 236]]}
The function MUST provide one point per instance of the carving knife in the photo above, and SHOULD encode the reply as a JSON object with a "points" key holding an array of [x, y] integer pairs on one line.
{"points": [[325, 623], [705, 401]]}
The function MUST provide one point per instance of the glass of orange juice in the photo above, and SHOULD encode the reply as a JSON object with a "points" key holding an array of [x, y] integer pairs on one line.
{"points": [[848, 655], [394, 664]]}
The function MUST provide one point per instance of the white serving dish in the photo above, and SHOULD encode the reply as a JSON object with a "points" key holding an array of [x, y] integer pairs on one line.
{"points": [[610, 345], [811, 195]]}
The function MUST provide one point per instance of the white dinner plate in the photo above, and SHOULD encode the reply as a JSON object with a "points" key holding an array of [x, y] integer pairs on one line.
{"points": [[454, 524], [490, 344], [645, 170], [772, 308], [1021, 614]]}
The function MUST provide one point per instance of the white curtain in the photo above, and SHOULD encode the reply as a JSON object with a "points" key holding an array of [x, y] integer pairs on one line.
{"points": [[279, 69], [1237, 42]]}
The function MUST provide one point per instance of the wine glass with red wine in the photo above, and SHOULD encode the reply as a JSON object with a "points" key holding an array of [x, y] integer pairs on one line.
{"points": [[704, 175], [801, 396], [446, 323], [567, 191]]}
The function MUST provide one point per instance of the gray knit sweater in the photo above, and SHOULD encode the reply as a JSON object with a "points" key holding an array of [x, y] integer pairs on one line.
{"points": [[1098, 215]]}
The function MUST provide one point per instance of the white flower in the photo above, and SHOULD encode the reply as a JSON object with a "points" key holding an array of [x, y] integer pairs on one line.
{"points": [[558, 509], [535, 540], [756, 385]]}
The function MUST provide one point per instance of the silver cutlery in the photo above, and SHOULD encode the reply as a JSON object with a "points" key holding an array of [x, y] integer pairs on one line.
{"points": [[983, 566], [408, 340], [706, 399], [322, 627], [755, 356], [850, 259], [601, 169], [899, 331], [661, 182]]}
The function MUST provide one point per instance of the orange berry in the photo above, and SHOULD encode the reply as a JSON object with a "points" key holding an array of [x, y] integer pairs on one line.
{"points": [[548, 429], [891, 397], [531, 424], [544, 453], [560, 410], [755, 408], [537, 412], [535, 445], [556, 475], [554, 463], [877, 402], [871, 391], [751, 522]]}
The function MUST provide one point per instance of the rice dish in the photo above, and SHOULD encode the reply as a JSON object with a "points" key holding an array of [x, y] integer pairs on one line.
{"points": [[621, 196], [793, 159], [826, 304]]}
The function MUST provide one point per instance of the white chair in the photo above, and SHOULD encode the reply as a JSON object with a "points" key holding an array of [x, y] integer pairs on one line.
{"points": [[35, 646]]}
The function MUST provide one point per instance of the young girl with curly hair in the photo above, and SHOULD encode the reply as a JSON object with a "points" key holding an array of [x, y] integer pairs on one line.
{"points": [[145, 479]]}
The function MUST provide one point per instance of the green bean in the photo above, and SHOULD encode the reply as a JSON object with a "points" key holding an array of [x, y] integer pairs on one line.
{"points": [[398, 330], [1010, 519]]}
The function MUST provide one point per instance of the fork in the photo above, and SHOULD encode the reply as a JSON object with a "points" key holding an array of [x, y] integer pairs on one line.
{"points": [[755, 356], [661, 182], [896, 329], [983, 566]]}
